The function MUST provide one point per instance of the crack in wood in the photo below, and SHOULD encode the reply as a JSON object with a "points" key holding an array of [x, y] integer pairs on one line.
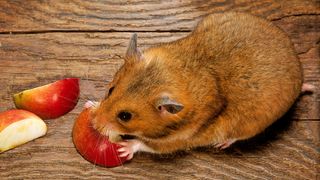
{"points": [[137, 31], [94, 31], [294, 15]]}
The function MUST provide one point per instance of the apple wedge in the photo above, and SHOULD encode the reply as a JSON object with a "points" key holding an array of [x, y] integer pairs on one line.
{"points": [[94, 146], [18, 127], [50, 101]]}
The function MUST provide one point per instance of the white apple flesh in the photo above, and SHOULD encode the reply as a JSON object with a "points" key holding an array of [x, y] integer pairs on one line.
{"points": [[18, 127]]}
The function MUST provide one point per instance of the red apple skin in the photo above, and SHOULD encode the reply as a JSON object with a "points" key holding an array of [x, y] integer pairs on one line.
{"points": [[50, 101], [12, 116], [93, 146]]}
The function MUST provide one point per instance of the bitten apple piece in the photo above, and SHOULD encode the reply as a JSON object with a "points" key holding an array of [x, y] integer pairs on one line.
{"points": [[50, 101], [94, 146], [18, 127]]}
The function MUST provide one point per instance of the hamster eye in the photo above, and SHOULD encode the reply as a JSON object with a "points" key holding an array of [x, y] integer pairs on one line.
{"points": [[124, 116], [110, 91]]}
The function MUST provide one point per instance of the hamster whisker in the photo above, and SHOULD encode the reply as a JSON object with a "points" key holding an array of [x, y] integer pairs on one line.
{"points": [[74, 84], [87, 147], [86, 78], [95, 147], [114, 150], [116, 153], [67, 99], [82, 95]]}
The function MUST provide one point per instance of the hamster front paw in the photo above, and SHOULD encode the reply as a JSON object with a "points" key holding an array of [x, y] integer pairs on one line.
{"points": [[90, 104], [129, 147]]}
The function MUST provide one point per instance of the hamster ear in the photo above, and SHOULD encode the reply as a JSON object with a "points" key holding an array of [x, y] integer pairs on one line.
{"points": [[133, 52], [165, 104]]}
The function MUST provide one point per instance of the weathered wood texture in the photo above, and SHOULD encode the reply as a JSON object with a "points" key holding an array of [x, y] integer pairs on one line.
{"points": [[138, 15], [43, 41], [290, 152]]}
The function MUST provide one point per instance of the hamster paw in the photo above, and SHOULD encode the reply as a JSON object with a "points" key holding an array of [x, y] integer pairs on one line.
{"points": [[90, 104], [129, 147], [225, 144]]}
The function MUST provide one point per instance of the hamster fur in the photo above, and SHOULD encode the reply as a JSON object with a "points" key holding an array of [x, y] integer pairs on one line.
{"points": [[228, 80]]}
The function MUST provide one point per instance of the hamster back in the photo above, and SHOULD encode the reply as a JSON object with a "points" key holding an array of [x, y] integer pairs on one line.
{"points": [[228, 80]]}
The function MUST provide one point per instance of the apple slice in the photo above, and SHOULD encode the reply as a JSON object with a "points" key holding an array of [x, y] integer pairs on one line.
{"points": [[94, 146], [50, 101], [18, 127]]}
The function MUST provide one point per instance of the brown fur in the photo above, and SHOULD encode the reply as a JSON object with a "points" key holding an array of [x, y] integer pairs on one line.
{"points": [[235, 74]]}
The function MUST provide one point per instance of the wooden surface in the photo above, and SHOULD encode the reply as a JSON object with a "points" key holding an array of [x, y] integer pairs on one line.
{"points": [[43, 41]]}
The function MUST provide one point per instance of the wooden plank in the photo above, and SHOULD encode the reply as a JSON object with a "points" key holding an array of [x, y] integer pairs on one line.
{"points": [[35, 59], [305, 34], [35, 53], [286, 150], [138, 15], [289, 150]]}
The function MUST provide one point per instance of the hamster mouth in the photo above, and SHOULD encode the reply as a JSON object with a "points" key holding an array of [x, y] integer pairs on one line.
{"points": [[127, 136], [116, 137]]}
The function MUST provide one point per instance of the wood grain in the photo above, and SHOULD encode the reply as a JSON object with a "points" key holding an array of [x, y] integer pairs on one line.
{"points": [[97, 56], [138, 15], [287, 150], [35, 59], [304, 32], [43, 41]]}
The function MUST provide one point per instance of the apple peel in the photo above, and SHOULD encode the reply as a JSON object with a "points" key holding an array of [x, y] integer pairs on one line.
{"points": [[93, 146], [18, 127], [50, 101]]}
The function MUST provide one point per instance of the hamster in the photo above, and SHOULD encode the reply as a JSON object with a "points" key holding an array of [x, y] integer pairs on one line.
{"points": [[228, 80]]}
